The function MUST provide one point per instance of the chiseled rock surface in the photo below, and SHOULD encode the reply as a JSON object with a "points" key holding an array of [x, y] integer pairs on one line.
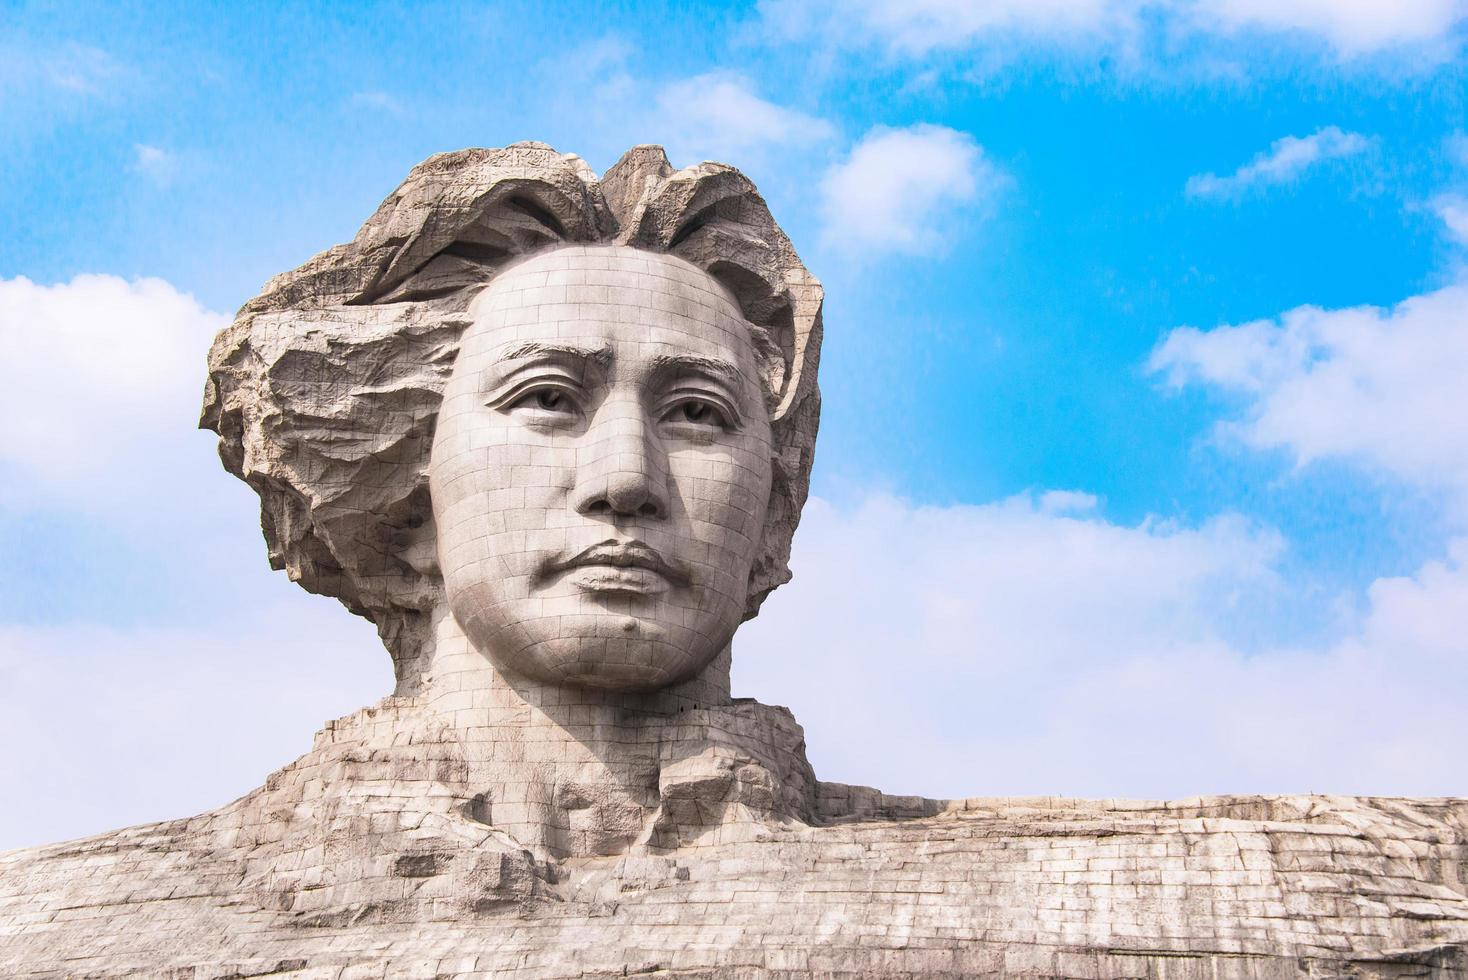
{"points": [[371, 856]]}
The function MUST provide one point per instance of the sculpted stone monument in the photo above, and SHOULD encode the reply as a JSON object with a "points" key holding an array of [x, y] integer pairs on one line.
{"points": [[552, 434]]}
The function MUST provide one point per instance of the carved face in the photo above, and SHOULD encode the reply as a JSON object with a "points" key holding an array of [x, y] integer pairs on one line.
{"points": [[601, 469]]}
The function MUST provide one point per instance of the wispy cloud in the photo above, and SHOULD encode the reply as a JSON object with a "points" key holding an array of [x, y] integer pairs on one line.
{"points": [[898, 188], [1286, 160], [1451, 204], [377, 101], [158, 165], [1352, 27], [597, 68], [1452, 210], [1457, 150], [44, 76], [916, 28], [719, 115], [715, 115], [80, 68]]}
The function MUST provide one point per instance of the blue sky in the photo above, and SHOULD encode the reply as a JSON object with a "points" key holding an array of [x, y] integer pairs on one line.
{"points": [[1141, 454]]}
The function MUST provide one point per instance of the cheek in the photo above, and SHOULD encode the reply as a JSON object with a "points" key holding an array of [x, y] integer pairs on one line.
{"points": [[493, 490], [726, 496]]}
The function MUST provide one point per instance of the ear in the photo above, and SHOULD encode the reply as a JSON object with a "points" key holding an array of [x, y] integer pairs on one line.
{"points": [[419, 549], [414, 541]]}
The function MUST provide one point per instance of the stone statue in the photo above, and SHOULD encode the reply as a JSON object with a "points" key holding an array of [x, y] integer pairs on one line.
{"points": [[552, 434]]}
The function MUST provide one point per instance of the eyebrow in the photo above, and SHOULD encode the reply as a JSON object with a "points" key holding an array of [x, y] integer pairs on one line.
{"points": [[519, 352], [717, 368]]}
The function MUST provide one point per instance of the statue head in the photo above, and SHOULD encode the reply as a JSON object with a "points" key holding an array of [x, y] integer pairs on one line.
{"points": [[578, 413]]}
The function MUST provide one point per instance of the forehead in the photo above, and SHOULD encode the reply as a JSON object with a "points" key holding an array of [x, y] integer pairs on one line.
{"points": [[609, 294]]}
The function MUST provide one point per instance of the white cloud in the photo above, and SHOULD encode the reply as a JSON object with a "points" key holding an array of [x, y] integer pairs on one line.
{"points": [[1286, 160], [896, 190], [967, 651], [1450, 204], [916, 28], [1067, 502], [100, 375], [718, 116], [153, 665], [1452, 210], [1031, 646], [1351, 26], [1382, 388], [125, 726]]}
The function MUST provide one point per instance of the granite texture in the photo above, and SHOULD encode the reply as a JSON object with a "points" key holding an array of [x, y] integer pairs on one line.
{"points": [[375, 856]]}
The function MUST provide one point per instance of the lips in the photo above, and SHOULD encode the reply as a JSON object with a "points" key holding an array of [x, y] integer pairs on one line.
{"points": [[632, 555]]}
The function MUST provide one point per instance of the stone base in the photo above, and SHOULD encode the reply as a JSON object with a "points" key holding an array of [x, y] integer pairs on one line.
{"points": [[373, 857]]}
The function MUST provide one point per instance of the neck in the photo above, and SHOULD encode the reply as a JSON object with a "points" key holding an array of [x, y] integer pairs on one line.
{"points": [[564, 770]]}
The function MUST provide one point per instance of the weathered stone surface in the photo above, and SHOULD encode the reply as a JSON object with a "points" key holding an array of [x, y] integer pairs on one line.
{"points": [[552, 434], [376, 855]]}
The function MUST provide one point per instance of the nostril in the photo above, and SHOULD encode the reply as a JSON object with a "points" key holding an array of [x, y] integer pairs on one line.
{"points": [[648, 509], [598, 507]]}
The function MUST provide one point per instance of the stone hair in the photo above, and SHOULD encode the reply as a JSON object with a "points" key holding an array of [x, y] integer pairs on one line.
{"points": [[325, 389]]}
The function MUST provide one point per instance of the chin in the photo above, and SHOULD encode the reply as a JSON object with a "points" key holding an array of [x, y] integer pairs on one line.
{"points": [[606, 658]]}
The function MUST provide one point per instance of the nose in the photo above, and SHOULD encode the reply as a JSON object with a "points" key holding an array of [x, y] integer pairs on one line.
{"points": [[621, 469]]}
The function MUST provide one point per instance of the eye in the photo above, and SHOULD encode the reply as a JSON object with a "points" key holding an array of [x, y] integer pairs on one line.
{"points": [[546, 398], [697, 412]]}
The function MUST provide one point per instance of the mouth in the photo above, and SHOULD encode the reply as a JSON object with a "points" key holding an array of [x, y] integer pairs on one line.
{"points": [[622, 566]]}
